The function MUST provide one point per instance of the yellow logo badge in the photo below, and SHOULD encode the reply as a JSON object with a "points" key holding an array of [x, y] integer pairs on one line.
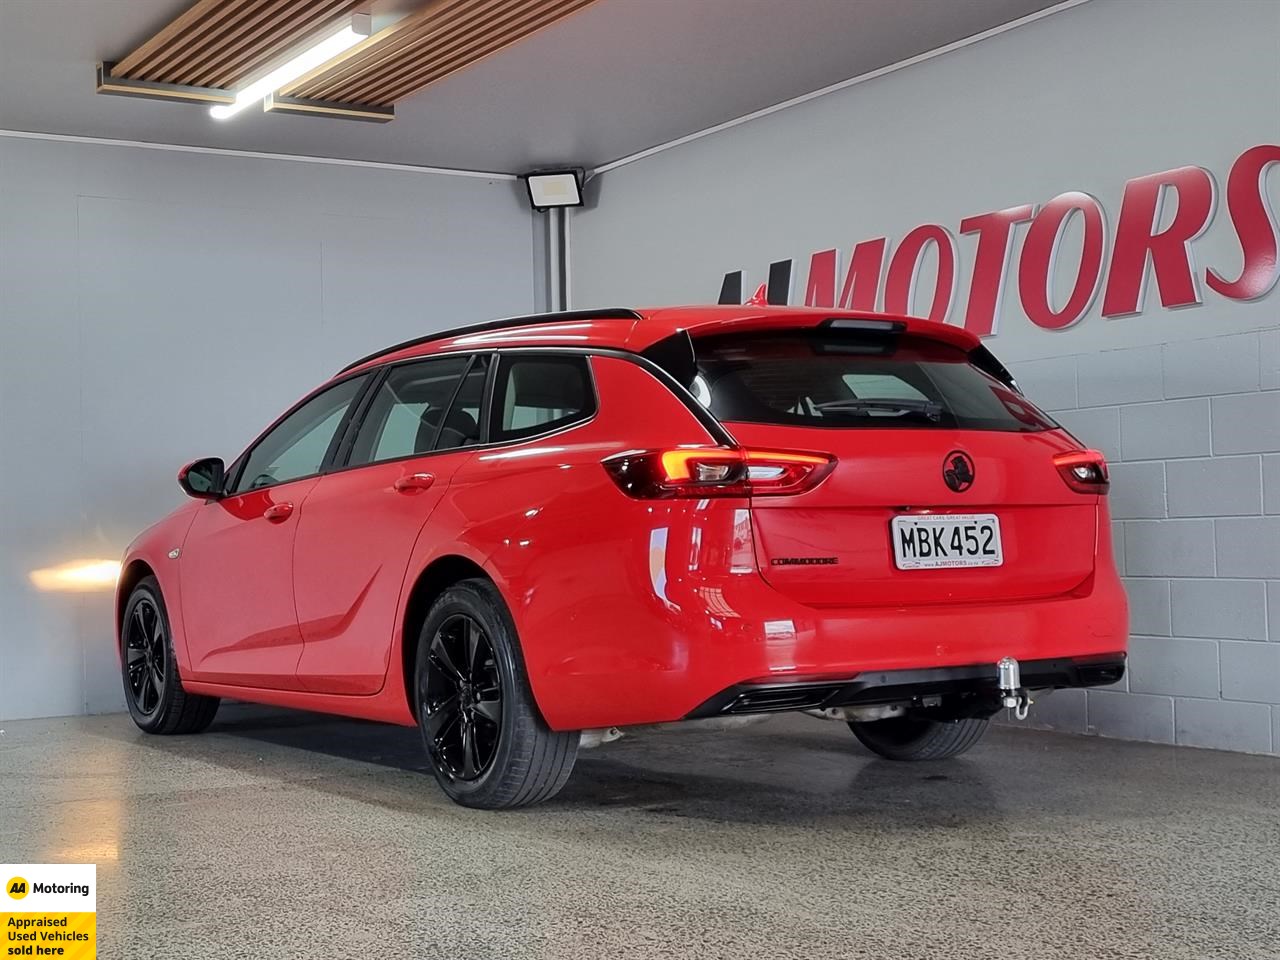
{"points": [[16, 888]]}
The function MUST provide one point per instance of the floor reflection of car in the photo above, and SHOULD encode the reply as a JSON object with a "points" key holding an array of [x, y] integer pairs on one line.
{"points": [[527, 535]]}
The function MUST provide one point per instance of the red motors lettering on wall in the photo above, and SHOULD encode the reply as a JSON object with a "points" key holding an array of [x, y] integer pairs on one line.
{"points": [[901, 283], [1255, 226], [1035, 269], [1169, 250], [1148, 242], [995, 243]]}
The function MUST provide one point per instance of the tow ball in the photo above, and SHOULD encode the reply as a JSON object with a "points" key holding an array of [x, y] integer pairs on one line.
{"points": [[1012, 694]]}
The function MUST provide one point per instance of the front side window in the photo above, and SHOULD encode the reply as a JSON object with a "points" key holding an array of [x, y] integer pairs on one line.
{"points": [[535, 395], [832, 379], [296, 447], [407, 414]]}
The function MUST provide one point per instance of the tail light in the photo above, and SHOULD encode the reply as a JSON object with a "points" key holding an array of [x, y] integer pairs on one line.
{"points": [[1084, 471], [778, 472], [717, 472]]}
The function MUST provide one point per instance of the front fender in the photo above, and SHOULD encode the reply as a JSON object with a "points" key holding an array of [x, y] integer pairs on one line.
{"points": [[151, 552]]}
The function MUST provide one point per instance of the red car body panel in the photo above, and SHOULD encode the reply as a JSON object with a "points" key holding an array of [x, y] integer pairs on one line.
{"points": [[341, 605], [238, 590], [629, 610], [1048, 530]]}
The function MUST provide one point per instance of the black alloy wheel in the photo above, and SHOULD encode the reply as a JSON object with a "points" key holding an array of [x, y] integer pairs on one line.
{"points": [[462, 694], [146, 647], [487, 741], [153, 688]]}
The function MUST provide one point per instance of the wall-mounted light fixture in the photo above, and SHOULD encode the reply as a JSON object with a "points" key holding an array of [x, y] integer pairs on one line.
{"points": [[549, 189], [552, 192], [335, 44]]}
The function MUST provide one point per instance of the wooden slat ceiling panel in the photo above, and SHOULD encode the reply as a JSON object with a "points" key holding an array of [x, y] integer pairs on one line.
{"points": [[442, 39], [224, 63], [225, 43], [455, 34], [222, 43]]}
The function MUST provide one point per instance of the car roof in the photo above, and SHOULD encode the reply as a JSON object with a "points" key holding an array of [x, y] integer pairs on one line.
{"points": [[635, 330]]}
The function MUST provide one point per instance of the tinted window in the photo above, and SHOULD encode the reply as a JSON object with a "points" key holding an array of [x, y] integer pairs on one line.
{"points": [[462, 425], [297, 445], [538, 394], [407, 411], [826, 379]]}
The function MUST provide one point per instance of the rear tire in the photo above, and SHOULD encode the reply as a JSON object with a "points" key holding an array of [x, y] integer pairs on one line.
{"points": [[912, 738], [152, 685], [489, 746]]}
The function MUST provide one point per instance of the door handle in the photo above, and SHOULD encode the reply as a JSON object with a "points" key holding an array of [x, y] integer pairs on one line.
{"points": [[278, 512], [414, 481]]}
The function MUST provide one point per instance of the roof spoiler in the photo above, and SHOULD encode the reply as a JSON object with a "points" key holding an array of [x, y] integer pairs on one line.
{"points": [[986, 361], [675, 355]]}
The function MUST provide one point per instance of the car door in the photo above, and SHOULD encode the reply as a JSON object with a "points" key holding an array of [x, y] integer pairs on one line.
{"points": [[237, 559], [361, 521]]}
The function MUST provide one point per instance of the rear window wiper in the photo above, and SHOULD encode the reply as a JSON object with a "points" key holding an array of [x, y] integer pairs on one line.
{"points": [[931, 409]]}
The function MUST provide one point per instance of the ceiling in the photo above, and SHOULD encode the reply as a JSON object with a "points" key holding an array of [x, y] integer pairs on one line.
{"points": [[613, 78], [220, 46]]}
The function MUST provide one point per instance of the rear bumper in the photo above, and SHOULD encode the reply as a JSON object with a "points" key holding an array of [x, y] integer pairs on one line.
{"points": [[976, 682], [663, 608], [701, 653]]}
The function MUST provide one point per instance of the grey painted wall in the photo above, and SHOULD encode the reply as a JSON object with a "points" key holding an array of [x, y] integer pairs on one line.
{"points": [[1186, 402], [157, 306]]}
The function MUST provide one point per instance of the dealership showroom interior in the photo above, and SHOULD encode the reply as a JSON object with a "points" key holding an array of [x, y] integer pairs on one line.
{"points": [[640, 478]]}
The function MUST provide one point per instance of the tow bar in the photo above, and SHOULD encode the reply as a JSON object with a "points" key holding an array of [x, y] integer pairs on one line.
{"points": [[1012, 695]]}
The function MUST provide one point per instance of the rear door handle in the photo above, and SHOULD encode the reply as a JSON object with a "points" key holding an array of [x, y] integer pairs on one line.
{"points": [[414, 481], [279, 512]]}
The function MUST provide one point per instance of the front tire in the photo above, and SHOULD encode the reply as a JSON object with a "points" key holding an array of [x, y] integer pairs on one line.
{"points": [[487, 742], [916, 738], [152, 686]]}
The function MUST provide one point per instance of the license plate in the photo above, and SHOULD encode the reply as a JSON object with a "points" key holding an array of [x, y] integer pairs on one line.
{"points": [[947, 540]]}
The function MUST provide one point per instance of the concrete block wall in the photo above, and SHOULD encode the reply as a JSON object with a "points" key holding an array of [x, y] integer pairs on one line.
{"points": [[1185, 401], [1192, 430]]}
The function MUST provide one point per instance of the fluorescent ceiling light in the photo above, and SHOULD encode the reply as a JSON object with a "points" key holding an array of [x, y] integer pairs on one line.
{"points": [[554, 188], [316, 55]]}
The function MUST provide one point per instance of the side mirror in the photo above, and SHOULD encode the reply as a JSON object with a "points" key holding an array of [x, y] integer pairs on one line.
{"points": [[202, 479]]}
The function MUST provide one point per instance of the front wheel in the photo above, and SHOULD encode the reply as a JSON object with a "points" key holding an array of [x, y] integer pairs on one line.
{"points": [[152, 686], [487, 742], [915, 738]]}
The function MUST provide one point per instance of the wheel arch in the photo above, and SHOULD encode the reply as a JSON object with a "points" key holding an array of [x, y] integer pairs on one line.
{"points": [[440, 574], [133, 573]]}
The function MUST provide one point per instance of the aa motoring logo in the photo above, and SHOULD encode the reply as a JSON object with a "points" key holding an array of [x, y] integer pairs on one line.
{"points": [[1114, 264], [19, 887]]}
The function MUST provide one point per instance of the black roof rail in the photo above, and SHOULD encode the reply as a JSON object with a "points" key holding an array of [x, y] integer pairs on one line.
{"points": [[610, 313]]}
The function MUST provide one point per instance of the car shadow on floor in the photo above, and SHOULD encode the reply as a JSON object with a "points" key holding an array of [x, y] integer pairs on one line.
{"points": [[384, 744], [785, 772]]}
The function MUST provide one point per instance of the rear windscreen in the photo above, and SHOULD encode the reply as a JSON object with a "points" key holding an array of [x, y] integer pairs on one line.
{"points": [[831, 379]]}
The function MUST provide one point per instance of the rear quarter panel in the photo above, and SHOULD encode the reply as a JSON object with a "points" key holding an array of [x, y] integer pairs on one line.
{"points": [[558, 538]]}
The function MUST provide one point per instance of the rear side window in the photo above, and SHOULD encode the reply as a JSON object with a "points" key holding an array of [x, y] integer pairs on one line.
{"points": [[535, 395], [407, 413], [850, 380]]}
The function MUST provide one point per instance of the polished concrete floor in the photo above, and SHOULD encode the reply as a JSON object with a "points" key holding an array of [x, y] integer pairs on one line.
{"points": [[291, 835]]}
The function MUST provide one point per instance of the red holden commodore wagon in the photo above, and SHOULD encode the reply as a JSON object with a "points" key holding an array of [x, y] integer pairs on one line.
{"points": [[530, 535]]}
